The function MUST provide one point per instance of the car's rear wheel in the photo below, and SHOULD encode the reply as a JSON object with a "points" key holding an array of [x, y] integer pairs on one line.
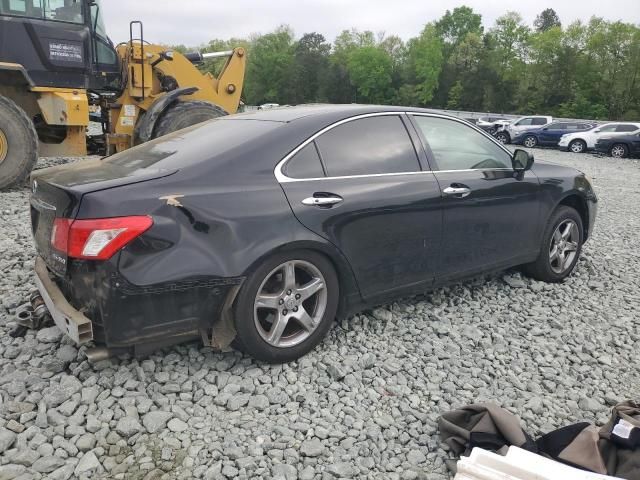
{"points": [[578, 146], [530, 141], [286, 306], [619, 150], [503, 137], [561, 246]]}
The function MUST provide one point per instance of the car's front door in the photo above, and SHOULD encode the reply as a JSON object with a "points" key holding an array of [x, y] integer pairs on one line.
{"points": [[369, 196], [491, 214]]}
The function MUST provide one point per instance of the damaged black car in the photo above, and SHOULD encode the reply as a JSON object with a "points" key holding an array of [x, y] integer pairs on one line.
{"points": [[257, 230]]}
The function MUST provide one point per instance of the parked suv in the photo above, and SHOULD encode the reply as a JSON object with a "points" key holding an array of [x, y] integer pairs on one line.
{"points": [[550, 134], [506, 133], [582, 141]]}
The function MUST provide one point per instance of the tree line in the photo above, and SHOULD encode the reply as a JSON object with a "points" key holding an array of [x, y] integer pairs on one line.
{"points": [[582, 70]]}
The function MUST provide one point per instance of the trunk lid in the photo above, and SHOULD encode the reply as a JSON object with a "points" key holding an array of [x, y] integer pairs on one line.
{"points": [[56, 192]]}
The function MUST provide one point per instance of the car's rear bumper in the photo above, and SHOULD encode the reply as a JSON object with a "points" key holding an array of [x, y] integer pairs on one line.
{"points": [[94, 302]]}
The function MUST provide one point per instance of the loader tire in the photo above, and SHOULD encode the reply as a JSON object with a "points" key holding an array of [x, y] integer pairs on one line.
{"points": [[18, 144], [181, 115]]}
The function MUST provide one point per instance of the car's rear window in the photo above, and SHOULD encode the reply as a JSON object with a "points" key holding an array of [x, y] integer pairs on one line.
{"points": [[193, 144]]}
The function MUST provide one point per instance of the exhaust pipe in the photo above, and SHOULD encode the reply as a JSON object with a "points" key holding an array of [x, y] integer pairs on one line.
{"points": [[97, 354]]}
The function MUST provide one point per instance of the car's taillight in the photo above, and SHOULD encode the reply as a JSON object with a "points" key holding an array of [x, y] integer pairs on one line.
{"points": [[98, 238], [60, 234]]}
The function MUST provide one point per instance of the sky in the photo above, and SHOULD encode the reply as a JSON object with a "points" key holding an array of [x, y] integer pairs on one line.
{"points": [[194, 22]]}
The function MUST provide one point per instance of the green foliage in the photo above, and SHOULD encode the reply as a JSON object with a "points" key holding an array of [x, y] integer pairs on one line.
{"points": [[455, 96], [454, 26], [583, 70], [370, 71], [425, 63], [547, 19], [270, 61]]}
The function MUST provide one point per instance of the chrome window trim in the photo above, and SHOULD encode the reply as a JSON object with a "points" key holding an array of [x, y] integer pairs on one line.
{"points": [[282, 178]]}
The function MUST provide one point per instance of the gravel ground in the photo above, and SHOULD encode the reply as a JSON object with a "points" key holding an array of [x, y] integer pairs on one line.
{"points": [[364, 404]]}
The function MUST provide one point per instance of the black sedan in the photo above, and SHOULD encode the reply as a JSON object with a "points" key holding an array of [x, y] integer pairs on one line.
{"points": [[257, 230], [620, 147]]}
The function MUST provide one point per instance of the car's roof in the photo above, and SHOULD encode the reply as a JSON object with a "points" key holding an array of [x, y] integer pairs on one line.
{"points": [[290, 114]]}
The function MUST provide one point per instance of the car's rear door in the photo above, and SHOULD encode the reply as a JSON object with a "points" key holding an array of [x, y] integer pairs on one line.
{"points": [[491, 214], [625, 128], [368, 194], [550, 135]]}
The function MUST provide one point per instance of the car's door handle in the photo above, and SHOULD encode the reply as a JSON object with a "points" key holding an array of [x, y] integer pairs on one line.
{"points": [[322, 201], [459, 192]]}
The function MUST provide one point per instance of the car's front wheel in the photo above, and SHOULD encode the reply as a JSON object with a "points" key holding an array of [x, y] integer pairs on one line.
{"points": [[619, 150], [286, 306], [503, 137], [561, 246], [578, 146]]}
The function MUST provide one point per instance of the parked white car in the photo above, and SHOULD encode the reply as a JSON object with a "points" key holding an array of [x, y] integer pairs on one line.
{"points": [[506, 133], [582, 141]]}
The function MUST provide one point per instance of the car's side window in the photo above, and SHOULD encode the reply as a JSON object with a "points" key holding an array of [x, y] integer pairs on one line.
{"points": [[626, 128], [304, 164], [609, 128], [456, 146], [524, 122], [365, 146], [539, 121]]}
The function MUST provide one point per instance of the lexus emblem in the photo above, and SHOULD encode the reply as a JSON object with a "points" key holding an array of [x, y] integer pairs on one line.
{"points": [[34, 187]]}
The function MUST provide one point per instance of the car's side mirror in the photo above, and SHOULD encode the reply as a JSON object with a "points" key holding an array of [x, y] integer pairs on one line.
{"points": [[521, 161], [596, 131], [545, 128]]}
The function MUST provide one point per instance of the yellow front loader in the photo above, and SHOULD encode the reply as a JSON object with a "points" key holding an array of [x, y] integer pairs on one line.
{"points": [[60, 70]]}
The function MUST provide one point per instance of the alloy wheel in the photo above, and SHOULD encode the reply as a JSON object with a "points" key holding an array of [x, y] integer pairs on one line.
{"points": [[530, 142], [290, 303], [564, 246], [618, 151], [501, 137], [577, 146]]}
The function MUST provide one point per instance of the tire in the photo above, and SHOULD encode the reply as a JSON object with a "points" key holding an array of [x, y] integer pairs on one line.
{"points": [[181, 115], [530, 141], [18, 144], [503, 137], [619, 150], [545, 268], [265, 298], [578, 146]]}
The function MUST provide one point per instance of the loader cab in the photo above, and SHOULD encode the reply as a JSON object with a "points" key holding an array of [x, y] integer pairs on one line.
{"points": [[59, 43]]}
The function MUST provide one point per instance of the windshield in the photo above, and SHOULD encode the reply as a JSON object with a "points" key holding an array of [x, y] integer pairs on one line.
{"points": [[59, 10]]}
